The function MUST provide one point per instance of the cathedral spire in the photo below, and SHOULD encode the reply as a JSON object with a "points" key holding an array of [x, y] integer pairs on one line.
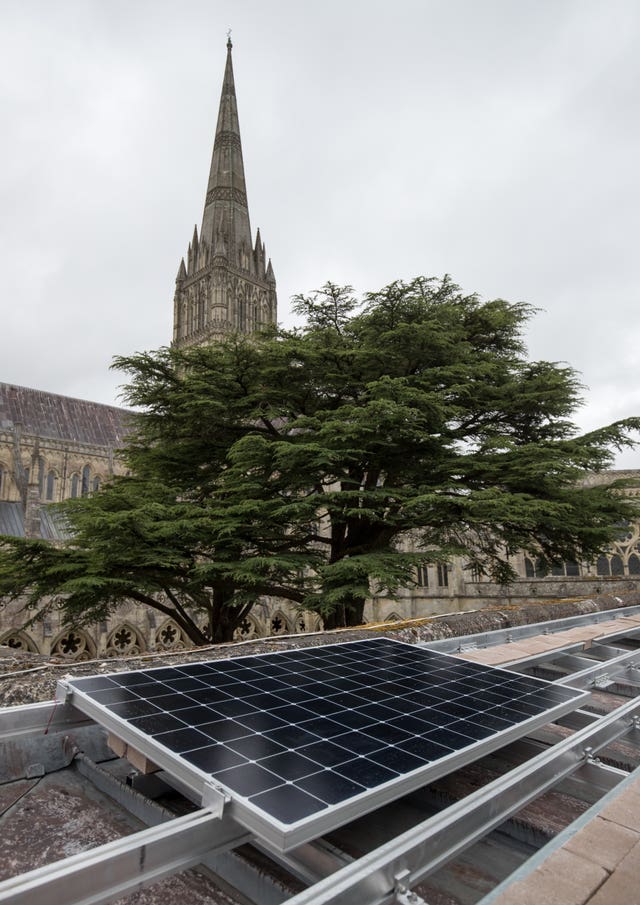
{"points": [[225, 209], [224, 286]]}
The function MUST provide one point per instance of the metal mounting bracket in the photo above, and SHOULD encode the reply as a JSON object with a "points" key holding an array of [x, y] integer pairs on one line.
{"points": [[214, 798], [64, 692], [404, 895]]}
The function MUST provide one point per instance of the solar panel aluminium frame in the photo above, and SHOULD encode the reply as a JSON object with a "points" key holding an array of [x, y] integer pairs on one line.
{"points": [[208, 792]]}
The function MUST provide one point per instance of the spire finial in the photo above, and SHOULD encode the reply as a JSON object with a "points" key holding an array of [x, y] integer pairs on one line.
{"points": [[229, 44]]}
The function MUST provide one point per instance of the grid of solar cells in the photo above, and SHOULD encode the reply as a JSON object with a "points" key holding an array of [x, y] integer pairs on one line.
{"points": [[300, 731]]}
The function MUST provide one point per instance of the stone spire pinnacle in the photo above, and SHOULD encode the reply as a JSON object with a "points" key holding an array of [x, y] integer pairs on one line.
{"points": [[225, 286], [226, 215]]}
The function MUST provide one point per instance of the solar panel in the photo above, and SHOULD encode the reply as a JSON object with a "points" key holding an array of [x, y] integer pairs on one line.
{"points": [[304, 740]]}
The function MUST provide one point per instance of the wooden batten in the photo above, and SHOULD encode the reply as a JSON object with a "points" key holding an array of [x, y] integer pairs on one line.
{"points": [[136, 758]]}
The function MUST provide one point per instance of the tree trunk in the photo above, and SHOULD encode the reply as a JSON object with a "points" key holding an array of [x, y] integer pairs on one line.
{"points": [[355, 611], [224, 625], [225, 618], [335, 619], [351, 612], [223, 633]]}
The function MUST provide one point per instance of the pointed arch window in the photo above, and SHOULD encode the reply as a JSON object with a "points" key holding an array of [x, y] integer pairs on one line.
{"points": [[86, 475], [95, 484], [75, 485], [201, 308], [602, 565], [242, 314], [476, 573], [537, 569], [542, 570], [51, 485], [570, 568], [40, 476], [634, 564], [422, 576], [617, 566]]}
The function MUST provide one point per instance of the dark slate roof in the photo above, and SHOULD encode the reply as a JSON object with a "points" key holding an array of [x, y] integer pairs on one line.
{"points": [[56, 417], [12, 519], [52, 524]]}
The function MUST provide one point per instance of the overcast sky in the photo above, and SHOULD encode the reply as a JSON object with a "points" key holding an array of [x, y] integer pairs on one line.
{"points": [[495, 140]]}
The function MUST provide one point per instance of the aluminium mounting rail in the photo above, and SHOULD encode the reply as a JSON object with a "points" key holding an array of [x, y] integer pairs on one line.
{"points": [[376, 877], [613, 668], [109, 871], [518, 632], [105, 873]]}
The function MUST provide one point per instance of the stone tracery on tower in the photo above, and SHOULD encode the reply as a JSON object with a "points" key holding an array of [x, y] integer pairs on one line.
{"points": [[226, 284]]}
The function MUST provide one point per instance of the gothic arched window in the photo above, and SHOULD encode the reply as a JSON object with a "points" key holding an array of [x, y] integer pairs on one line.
{"points": [[634, 564], [40, 476], [201, 301], [95, 485], [602, 565], [617, 566], [540, 568], [51, 485], [75, 485], [242, 314], [86, 472], [422, 576]]}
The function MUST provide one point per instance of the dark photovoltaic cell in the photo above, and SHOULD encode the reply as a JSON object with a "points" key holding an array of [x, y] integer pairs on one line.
{"points": [[296, 733]]}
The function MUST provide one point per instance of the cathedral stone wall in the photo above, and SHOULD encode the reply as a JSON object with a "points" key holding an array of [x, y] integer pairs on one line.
{"points": [[52, 448], [63, 468], [133, 629], [450, 587]]}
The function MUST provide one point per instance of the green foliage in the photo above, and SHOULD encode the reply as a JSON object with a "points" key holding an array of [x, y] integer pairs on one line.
{"points": [[298, 463]]}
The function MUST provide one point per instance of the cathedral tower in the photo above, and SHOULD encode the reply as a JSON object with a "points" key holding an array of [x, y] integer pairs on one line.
{"points": [[226, 283]]}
